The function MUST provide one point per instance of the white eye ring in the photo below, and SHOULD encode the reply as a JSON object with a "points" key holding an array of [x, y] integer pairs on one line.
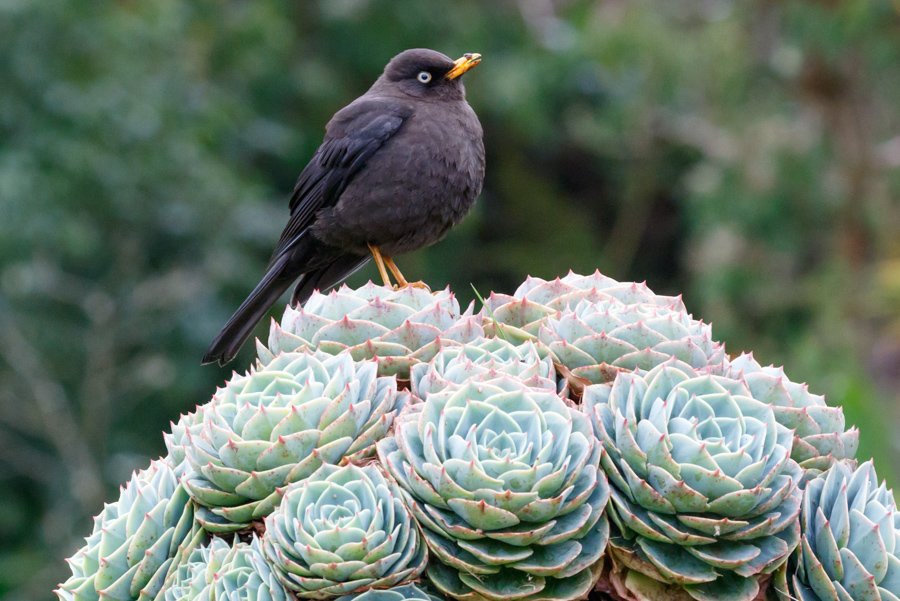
{"points": [[424, 76]]}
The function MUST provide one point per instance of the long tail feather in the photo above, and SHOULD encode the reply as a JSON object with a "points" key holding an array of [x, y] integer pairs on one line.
{"points": [[232, 337]]}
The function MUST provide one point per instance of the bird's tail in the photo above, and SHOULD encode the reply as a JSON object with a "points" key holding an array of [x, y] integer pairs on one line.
{"points": [[232, 337], [326, 277]]}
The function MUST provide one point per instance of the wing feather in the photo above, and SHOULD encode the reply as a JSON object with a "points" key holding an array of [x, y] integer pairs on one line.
{"points": [[353, 136]]}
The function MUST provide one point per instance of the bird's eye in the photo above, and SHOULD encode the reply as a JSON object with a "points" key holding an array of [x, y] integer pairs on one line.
{"points": [[424, 76]]}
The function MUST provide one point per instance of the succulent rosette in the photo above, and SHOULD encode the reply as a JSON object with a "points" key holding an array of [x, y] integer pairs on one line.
{"points": [[177, 438], [520, 314], [400, 326], [277, 425], [704, 492], [596, 326], [483, 360], [597, 340], [505, 481], [343, 530], [223, 572], [820, 434], [573, 288], [135, 540], [850, 543], [407, 592]]}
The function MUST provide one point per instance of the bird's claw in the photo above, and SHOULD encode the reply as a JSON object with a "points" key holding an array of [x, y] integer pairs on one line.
{"points": [[420, 285]]}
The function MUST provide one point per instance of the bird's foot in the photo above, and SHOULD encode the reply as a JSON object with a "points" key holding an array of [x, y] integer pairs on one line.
{"points": [[420, 285], [380, 261], [401, 281]]}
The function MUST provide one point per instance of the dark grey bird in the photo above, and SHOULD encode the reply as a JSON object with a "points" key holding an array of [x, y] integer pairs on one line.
{"points": [[399, 167]]}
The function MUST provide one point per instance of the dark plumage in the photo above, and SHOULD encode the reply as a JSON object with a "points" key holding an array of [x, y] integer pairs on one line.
{"points": [[399, 167]]}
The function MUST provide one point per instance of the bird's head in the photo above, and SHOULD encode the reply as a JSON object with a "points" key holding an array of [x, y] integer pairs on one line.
{"points": [[428, 74]]}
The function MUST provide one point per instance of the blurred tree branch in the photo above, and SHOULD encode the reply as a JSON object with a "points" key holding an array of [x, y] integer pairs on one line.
{"points": [[49, 398]]}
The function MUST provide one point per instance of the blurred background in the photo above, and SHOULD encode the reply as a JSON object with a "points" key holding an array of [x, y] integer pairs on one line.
{"points": [[745, 154]]}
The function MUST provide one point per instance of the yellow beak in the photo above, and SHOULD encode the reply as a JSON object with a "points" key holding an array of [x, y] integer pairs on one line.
{"points": [[461, 65]]}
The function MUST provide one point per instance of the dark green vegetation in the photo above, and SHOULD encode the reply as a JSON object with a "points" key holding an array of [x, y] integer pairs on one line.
{"points": [[743, 153]]}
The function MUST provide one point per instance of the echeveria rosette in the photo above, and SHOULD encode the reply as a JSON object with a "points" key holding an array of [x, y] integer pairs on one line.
{"points": [[850, 543], [135, 540], [597, 340], [277, 425], [820, 437], [483, 360], [223, 572], [178, 438], [595, 332], [343, 530], [505, 481], [704, 493], [574, 288], [406, 592], [400, 326], [520, 315]]}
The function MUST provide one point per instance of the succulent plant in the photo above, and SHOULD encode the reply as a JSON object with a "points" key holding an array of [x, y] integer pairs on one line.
{"points": [[134, 541], [223, 572], [520, 315], [407, 592], [483, 360], [850, 543], [277, 425], [178, 438], [573, 288], [596, 326], [505, 481], [704, 493], [373, 321], [488, 465], [343, 530], [819, 435]]}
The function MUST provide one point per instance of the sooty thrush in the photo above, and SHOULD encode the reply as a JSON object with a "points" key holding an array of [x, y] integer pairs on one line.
{"points": [[399, 166]]}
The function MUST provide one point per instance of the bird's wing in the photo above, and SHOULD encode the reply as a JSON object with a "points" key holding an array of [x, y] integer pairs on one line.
{"points": [[353, 135]]}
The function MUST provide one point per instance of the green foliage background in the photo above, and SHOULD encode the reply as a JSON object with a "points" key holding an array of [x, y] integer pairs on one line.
{"points": [[743, 153]]}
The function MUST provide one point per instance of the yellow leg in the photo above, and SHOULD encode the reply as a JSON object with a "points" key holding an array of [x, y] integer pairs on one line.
{"points": [[399, 276], [380, 262]]}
